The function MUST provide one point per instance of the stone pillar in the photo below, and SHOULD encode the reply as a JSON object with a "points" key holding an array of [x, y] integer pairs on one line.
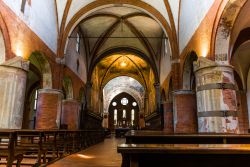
{"points": [[101, 100], [216, 97], [49, 106], [146, 104], [168, 117], [157, 96], [185, 114], [105, 121], [242, 111], [88, 94], [70, 114], [141, 120], [13, 76]]}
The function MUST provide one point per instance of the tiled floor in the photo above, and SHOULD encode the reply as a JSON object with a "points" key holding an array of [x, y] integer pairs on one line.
{"points": [[101, 155]]}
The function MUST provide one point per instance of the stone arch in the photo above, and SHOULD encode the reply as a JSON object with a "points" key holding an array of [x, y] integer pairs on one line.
{"points": [[120, 107], [243, 36], [5, 40], [188, 75], [137, 92], [223, 30], [129, 51], [130, 91], [103, 3], [68, 87], [42, 64]]}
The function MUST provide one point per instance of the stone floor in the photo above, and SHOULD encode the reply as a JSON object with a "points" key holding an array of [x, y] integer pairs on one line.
{"points": [[101, 155]]}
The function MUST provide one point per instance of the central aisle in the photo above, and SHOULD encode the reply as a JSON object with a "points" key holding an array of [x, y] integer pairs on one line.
{"points": [[101, 155]]}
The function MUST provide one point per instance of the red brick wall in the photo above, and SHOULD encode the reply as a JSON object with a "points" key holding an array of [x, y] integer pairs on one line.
{"points": [[70, 114], [48, 106], [186, 113], [168, 117], [242, 112]]}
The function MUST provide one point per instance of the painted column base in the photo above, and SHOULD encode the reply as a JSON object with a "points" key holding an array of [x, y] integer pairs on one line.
{"points": [[12, 95], [216, 97]]}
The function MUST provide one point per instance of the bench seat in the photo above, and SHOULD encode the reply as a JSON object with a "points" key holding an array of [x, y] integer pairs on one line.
{"points": [[188, 155]]}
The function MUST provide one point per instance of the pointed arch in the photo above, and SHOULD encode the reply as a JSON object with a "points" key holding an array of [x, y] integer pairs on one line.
{"points": [[5, 40], [188, 75], [68, 87], [42, 64]]}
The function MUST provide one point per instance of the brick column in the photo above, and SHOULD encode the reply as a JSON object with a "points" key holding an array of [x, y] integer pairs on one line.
{"points": [[13, 76], [242, 111], [70, 114], [49, 107], [216, 97], [185, 114], [168, 117]]}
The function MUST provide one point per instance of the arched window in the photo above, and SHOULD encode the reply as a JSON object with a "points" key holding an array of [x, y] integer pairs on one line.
{"points": [[78, 43]]}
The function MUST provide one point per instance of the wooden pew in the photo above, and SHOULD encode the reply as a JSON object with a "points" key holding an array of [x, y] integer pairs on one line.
{"points": [[46, 145], [31, 143], [8, 142], [188, 155], [160, 137], [120, 132]]}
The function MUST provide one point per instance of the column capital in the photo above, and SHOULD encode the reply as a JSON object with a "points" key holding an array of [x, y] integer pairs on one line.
{"points": [[183, 91], [203, 63], [17, 62], [47, 90], [157, 85], [60, 60], [89, 84]]}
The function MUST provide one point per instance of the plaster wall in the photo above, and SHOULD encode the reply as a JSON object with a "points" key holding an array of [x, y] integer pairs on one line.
{"points": [[40, 17]]}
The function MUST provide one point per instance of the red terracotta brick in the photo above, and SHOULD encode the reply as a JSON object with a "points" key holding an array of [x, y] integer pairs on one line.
{"points": [[70, 114], [186, 113], [48, 109], [168, 117]]}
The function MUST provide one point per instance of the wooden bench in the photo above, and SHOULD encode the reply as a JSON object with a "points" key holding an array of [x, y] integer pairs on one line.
{"points": [[120, 132], [188, 155], [8, 142], [44, 146], [31, 143], [160, 137]]}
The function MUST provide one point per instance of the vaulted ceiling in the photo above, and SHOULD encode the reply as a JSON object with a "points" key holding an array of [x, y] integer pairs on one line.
{"points": [[114, 27], [123, 65]]}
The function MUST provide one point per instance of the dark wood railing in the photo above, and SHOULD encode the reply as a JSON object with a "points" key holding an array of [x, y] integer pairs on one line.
{"points": [[157, 148], [45, 146]]}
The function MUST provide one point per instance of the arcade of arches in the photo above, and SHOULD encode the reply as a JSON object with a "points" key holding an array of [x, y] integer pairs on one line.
{"points": [[124, 64]]}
